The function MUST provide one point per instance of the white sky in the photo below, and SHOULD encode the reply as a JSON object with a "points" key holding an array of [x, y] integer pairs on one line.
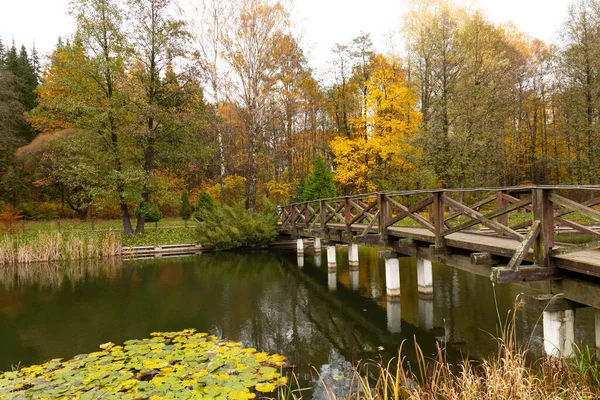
{"points": [[323, 22]]}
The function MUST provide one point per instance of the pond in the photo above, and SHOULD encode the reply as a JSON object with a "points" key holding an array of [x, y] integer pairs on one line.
{"points": [[322, 322]]}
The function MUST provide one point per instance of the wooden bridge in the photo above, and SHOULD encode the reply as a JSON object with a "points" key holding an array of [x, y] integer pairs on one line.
{"points": [[511, 228], [511, 234]]}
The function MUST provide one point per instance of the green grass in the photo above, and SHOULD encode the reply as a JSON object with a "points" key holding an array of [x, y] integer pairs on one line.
{"points": [[165, 231]]}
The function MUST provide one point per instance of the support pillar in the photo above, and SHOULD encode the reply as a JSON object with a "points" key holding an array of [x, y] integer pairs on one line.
{"points": [[425, 313], [317, 246], [331, 260], [353, 255], [424, 276], [559, 332], [392, 277], [598, 329], [332, 280], [394, 316], [300, 247], [354, 278]]}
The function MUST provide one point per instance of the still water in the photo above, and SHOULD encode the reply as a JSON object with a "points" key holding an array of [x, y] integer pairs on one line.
{"points": [[323, 322]]}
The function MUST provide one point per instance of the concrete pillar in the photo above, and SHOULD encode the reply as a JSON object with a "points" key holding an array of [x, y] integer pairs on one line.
{"points": [[300, 246], [300, 261], [354, 278], [317, 246], [332, 280], [353, 255], [598, 329], [394, 315], [392, 277], [331, 260], [425, 313], [317, 259], [424, 276], [559, 332]]}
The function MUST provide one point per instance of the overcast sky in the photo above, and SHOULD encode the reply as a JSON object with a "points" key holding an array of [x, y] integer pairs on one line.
{"points": [[323, 22]]}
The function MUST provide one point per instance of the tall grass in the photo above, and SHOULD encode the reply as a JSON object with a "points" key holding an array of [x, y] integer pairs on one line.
{"points": [[57, 247], [509, 374]]}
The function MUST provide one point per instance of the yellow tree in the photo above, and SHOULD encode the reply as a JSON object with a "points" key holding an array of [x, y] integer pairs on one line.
{"points": [[382, 158]]}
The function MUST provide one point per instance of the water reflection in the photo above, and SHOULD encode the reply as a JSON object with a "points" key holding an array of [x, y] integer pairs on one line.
{"points": [[320, 318]]}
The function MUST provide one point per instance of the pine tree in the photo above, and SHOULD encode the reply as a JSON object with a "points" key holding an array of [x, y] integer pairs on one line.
{"points": [[186, 209], [319, 184]]}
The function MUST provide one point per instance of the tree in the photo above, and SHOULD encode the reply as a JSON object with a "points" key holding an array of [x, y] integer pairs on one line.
{"points": [[165, 103], [251, 51], [186, 210], [319, 184], [214, 17]]}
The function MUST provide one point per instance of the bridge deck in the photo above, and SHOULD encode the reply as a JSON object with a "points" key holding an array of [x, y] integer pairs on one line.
{"points": [[585, 262]]}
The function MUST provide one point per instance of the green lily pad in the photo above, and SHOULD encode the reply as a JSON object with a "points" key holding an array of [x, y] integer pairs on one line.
{"points": [[182, 365]]}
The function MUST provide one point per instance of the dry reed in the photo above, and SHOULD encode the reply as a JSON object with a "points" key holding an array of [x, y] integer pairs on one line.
{"points": [[58, 247]]}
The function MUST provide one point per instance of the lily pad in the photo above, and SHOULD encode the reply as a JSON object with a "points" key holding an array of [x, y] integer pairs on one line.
{"points": [[190, 364]]}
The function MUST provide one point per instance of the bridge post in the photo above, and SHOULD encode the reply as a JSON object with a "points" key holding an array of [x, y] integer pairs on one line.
{"points": [[323, 213], [306, 215], [559, 332], [353, 255], [597, 328], [438, 218], [300, 247], [317, 245], [501, 203], [384, 212], [392, 277], [347, 213], [543, 211], [331, 260], [424, 276]]}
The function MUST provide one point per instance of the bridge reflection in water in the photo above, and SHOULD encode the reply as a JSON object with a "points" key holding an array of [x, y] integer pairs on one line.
{"points": [[507, 234]]}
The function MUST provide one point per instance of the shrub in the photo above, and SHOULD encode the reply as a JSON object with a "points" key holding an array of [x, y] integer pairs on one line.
{"points": [[231, 227], [205, 203], [150, 210], [186, 210]]}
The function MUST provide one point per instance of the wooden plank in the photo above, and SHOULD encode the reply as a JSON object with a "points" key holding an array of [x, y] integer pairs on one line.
{"points": [[483, 202], [590, 203], [413, 209], [574, 206], [578, 227], [370, 225], [438, 218], [493, 214], [579, 247], [363, 213], [478, 216], [523, 274], [482, 259], [416, 217], [525, 246]]}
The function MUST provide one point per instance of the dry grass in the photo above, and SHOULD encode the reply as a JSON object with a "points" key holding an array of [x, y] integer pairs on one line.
{"points": [[508, 375], [57, 247]]}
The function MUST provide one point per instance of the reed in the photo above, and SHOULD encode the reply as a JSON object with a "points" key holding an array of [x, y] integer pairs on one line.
{"points": [[509, 374], [58, 247]]}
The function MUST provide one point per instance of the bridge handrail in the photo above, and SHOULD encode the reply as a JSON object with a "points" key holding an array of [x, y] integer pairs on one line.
{"points": [[452, 190], [438, 214]]}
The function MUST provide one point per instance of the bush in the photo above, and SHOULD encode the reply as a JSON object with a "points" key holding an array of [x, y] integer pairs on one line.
{"points": [[205, 203], [230, 227], [150, 211], [186, 210]]}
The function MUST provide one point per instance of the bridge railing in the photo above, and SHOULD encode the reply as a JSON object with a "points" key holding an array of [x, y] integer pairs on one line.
{"points": [[527, 214]]}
